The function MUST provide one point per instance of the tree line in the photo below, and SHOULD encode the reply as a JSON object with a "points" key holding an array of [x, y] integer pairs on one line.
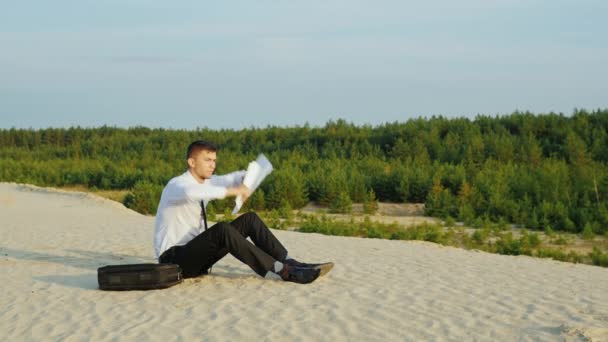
{"points": [[544, 171]]}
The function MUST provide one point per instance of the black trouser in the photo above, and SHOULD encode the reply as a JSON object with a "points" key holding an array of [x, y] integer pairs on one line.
{"points": [[198, 255]]}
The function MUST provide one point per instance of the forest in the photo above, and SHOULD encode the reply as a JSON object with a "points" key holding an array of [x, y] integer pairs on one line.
{"points": [[538, 171]]}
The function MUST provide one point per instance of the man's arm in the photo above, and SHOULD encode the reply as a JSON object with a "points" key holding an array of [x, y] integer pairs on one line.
{"points": [[241, 190], [229, 180], [177, 193], [181, 192]]}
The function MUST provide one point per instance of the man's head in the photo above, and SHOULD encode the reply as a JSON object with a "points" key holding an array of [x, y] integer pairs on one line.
{"points": [[201, 157]]}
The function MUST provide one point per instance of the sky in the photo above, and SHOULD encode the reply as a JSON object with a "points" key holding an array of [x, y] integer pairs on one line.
{"points": [[239, 64]]}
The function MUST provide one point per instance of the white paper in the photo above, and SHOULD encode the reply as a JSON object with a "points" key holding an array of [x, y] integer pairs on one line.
{"points": [[256, 172]]}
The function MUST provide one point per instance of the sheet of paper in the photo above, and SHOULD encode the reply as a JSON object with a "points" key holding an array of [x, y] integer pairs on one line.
{"points": [[256, 172]]}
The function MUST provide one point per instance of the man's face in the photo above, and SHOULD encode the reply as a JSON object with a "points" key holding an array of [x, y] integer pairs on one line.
{"points": [[202, 164]]}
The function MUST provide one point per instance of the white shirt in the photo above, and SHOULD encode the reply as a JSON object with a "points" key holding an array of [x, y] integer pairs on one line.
{"points": [[178, 218]]}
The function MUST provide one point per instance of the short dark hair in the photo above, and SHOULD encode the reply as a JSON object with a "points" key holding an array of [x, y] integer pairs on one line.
{"points": [[200, 145]]}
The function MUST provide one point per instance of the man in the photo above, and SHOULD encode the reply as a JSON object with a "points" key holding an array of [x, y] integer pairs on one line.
{"points": [[181, 236]]}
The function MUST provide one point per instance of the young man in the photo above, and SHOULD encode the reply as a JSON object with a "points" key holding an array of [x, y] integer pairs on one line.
{"points": [[181, 236]]}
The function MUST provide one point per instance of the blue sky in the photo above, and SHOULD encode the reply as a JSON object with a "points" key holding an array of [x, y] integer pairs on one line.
{"points": [[234, 64]]}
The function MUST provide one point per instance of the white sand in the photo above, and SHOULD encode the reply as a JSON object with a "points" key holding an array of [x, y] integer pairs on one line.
{"points": [[53, 242]]}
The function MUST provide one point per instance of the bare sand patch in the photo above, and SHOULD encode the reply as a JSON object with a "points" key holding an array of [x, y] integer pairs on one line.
{"points": [[379, 290]]}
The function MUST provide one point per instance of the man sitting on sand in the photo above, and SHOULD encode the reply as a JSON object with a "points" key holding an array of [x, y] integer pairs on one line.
{"points": [[181, 236]]}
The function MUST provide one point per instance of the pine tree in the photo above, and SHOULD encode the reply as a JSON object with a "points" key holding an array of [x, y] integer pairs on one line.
{"points": [[342, 204], [370, 203]]}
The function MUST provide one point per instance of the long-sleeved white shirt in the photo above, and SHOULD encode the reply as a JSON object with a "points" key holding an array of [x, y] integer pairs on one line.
{"points": [[178, 218]]}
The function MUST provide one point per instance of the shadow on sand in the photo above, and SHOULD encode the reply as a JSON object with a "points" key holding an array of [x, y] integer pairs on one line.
{"points": [[87, 260], [91, 260]]}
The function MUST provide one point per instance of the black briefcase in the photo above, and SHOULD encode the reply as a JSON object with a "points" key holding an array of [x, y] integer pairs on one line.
{"points": [[138, 276]]}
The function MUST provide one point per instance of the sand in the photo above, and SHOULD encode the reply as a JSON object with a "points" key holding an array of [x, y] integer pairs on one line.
{"points": [[54, 241]]}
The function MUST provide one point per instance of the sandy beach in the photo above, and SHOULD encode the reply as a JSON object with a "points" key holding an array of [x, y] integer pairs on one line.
{"points": [[53, 242]]}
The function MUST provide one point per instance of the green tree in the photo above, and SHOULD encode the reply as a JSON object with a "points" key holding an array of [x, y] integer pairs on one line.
{"points": [[370, 203], [285, 184], [341, 204]]}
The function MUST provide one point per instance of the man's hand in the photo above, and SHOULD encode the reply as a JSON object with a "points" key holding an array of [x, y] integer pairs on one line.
{"points": [[241, 190], [244, 192]]}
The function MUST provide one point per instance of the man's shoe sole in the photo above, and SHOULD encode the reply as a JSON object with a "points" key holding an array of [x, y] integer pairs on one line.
{"points": [[324, 268]]}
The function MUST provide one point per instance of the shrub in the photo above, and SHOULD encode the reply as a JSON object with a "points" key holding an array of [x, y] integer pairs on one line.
{"points": [[510, 246], [211, 213], [598, 257], [144, 198], [327, 227], [588, 232], [533, 240], [556, 254], [466, 214], [479, 236], [284, 185], [574, 257], [285, 211], [425, 232], [433, 233], [227, 215], [502, 224], [477, 222], [449, 222], [272, 219], [256, 201], [560, 240], [370, 203], [342, 204]]}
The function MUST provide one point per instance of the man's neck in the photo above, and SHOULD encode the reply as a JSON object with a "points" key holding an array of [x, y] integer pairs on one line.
{"points": [[196, 177]]}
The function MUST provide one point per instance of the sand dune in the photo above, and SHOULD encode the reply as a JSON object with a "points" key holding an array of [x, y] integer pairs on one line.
{"points": [[53, 242]]}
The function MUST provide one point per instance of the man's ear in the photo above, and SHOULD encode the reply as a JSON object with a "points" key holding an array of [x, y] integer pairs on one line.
{"points": [[191, 162]]}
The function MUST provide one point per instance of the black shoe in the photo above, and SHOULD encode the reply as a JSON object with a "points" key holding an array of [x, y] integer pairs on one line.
{"points": [[300, 275], [323, 267]]}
